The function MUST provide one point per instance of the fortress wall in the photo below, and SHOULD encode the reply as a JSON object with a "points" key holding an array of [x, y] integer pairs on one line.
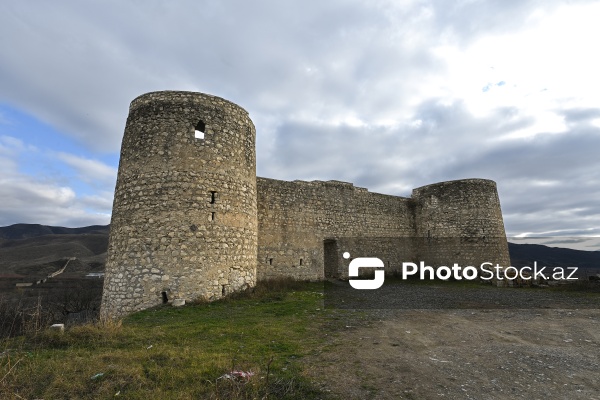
{"points": [[191, 219], [460, 221], [295, 218], [171, 237]]}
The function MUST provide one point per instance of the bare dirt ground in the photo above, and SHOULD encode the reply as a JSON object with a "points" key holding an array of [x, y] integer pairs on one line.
{"points": [[461, 354]]}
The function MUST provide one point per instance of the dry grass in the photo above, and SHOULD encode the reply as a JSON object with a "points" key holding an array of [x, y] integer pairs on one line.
{"points": [[178, 353]]}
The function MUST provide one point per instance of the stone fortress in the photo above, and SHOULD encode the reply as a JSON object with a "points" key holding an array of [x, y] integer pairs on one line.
{"points": [[191, 220]]}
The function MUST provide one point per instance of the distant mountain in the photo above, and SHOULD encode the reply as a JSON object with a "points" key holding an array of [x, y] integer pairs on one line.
{"points": [[526, 254], [24, 231], [36, 250]]}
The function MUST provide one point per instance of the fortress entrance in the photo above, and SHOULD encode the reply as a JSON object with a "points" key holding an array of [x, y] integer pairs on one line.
{"points": [[331, 254]]}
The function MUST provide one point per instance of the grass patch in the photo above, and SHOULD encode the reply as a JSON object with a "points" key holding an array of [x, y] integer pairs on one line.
{"points": [[178, 353]]}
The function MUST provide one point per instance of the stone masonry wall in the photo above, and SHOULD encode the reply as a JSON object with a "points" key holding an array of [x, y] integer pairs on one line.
{"points": [[316, 222], [296, 218], [184, 222]]}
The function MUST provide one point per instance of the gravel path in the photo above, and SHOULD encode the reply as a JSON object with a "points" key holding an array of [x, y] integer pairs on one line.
{"points": [[400, 295], [496, 349]]}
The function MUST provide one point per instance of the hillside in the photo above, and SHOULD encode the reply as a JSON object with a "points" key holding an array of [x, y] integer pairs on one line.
{"points": [[24, 231], [526, 254], [177, 353], [30, 256], [29, 253]]}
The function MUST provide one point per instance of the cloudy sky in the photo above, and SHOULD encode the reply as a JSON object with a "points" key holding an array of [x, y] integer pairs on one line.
{"points": [[390, 95]]}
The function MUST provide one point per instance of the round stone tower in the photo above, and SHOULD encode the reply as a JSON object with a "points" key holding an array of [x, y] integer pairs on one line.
{"points": [[460, 221], [184, 220]]}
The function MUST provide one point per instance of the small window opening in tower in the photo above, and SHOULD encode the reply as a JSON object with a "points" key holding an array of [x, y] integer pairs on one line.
{"points": [[300, 262], [165, 298], [213, 216], [270, 261], [222, 290], [213, 197], [199, 130]]}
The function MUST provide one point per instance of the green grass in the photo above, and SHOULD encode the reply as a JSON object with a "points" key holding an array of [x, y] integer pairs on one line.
{"points": [[183, 353], [176, 353]]}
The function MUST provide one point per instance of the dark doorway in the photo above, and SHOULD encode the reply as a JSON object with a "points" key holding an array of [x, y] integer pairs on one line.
{"points": [[331, 258]]}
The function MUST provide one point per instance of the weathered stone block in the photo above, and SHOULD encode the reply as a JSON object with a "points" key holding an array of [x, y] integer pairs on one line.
{"points": [[178, 302]]}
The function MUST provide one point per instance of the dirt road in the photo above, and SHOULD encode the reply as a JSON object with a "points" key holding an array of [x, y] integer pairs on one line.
{"points": [[461, 354]]}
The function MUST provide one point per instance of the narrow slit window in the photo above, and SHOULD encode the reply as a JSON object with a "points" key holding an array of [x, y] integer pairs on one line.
{"points": [[165, 298], [199, 130], [270, 261], [213, 216], [300, 262], [213, 197]]}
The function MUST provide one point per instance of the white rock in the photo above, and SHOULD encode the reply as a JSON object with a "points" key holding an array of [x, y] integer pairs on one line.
{"points": [[178, 302]]}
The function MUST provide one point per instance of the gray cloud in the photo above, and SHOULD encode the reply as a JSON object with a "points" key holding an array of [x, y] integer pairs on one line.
{"points": [[576, 117], [77, 66], [90, 171], [31, 201], [49, 198], [319, 79]]}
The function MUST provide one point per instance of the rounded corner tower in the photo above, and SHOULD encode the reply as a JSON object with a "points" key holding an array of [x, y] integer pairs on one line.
{"points": [[184, 220], [460, 221]]}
